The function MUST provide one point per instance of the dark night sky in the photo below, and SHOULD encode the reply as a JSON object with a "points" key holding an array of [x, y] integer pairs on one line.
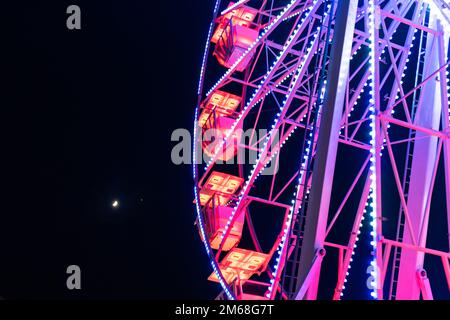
{"points": [[88, 118]]}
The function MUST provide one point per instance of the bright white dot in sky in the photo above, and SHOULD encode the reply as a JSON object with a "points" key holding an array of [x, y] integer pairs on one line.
{"points": [[115, 204]]}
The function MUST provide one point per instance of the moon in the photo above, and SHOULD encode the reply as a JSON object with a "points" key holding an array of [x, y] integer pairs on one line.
{"points": [[115, 204]]}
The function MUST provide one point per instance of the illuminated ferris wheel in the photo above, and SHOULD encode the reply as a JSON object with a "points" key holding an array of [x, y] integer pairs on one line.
{"points": [[320, 122]]}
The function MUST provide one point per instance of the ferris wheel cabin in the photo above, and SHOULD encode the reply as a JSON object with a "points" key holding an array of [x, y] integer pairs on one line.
{"points": [[234, 35]]}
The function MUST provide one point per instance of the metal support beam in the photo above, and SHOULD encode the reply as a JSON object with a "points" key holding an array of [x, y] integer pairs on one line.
{"points": [[312, 274], [317, 212], [443, 46], [424, 284], [421, 177]]}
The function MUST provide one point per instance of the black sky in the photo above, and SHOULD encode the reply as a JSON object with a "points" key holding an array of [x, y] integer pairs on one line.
{"points": [[87, 119]]}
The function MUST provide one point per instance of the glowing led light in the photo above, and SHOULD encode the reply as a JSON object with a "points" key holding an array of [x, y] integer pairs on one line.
{"points": [[115, 204], [232, 7], [372, 195]]}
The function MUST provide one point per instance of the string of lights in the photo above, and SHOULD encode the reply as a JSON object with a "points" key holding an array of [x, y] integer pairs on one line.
{"points": [[200, 221]]}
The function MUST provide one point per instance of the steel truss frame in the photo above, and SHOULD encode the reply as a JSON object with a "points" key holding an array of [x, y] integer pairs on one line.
{"points": [[369, 54]]}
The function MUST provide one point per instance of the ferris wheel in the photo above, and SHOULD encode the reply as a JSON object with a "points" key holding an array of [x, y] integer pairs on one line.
{"points": [[320, 122]]}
